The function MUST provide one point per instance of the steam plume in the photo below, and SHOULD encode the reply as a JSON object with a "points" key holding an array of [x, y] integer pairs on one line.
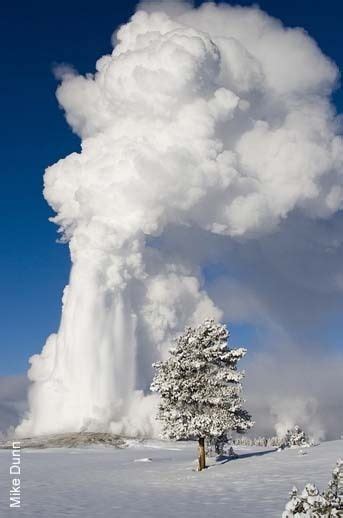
{"points": [[213, 121]]}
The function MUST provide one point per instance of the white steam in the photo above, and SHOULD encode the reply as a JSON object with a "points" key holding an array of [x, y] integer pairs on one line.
{"points": [[215, 118]]}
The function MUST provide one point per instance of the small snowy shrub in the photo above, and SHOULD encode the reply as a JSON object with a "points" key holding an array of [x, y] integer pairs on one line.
{"points": [[296, 437], [270, 442], [218, 445], [312, 504]]}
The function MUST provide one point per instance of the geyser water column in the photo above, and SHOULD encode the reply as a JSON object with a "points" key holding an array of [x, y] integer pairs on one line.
{"points": [[96, 349], [85, 376], [189, 122]]}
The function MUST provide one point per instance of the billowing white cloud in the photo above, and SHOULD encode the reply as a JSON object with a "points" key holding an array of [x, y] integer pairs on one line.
{"points": [[215, 120]]}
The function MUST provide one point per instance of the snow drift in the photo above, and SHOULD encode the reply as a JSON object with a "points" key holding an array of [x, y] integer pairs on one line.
{"points": [[216, 118]]}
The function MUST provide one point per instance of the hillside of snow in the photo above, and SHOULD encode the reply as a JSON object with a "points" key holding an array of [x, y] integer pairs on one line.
{"points": [[157, 479]]}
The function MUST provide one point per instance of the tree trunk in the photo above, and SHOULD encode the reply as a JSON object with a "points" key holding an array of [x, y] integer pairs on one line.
{"points": [[202, 457]]}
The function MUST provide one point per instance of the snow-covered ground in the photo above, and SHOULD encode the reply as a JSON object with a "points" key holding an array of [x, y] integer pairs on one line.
{"points": [[157, 480]]}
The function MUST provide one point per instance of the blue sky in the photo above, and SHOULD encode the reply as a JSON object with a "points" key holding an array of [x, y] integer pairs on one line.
{"points": [[35, 36]]}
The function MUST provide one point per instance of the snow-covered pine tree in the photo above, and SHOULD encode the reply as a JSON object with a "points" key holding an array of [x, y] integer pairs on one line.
{"points": [[200, 387], [295, 437], [311, 503]]}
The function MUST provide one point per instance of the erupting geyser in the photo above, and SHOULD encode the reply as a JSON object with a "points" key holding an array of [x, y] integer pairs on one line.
{"points": [[215, 118]]}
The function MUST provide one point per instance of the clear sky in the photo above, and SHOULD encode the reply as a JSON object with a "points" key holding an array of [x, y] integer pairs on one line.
{"points": [[35, 35]]}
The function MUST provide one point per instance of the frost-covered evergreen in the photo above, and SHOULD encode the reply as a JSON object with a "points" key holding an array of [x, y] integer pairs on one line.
{"points": [[200, 386], [270, 442], [313, 504], [296, 437], [221, 444]]}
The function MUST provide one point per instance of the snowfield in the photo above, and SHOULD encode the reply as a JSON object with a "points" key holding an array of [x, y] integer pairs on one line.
{"points": [[157, 479]]}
